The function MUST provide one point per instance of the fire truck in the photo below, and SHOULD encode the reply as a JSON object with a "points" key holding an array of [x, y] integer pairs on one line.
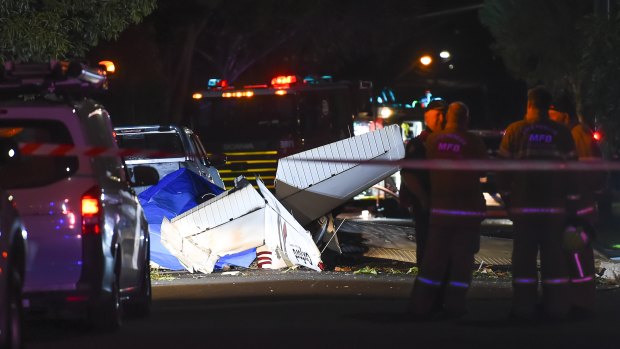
{"points": [[255, 125]]}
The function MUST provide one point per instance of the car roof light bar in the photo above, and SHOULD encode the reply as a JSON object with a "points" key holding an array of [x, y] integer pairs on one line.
{"points": [[52, 77]]}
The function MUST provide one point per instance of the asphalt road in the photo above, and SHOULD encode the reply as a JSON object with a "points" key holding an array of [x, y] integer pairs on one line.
{"points": [[312, 310]]}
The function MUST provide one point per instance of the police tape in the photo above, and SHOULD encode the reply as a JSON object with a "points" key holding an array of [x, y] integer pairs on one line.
{"points": [[590, 164], [47, 149], [479, 165]]}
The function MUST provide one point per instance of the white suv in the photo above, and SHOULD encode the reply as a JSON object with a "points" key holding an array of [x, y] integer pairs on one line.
{"points": [[88, 238]]}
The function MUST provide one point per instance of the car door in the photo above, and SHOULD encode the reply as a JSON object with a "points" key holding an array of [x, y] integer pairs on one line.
{"points": [[121, 206], [210, 172]]}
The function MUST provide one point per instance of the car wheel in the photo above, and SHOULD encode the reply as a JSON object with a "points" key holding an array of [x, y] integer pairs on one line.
{"points": [[108, 315], [12, 333]]}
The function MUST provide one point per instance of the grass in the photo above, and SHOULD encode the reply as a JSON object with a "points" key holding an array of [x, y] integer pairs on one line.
{"points": [[157, 275]]}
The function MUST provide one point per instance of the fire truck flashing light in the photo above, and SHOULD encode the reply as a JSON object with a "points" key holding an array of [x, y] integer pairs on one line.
{"points": [[217, 84], [108, 66], [283, 81], [238, 94], [279, 83]]}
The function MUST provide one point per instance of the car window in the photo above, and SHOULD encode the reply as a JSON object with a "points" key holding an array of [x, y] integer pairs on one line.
{"points": [[167, 142], [97, 126], [37, 170]]}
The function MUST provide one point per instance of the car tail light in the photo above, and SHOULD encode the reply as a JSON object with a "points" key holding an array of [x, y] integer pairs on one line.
{"points": [[91, 208]]}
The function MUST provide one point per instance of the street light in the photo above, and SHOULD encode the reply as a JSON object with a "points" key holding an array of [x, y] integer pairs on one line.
{"points": [[385, 112], [444, 54], [426, 60]]}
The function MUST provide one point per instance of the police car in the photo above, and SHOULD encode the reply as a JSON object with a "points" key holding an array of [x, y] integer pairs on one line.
{"points": [[88, 250]]}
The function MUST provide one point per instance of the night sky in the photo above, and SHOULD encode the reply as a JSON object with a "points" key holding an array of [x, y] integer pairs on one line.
{"points": [[477, 77]]}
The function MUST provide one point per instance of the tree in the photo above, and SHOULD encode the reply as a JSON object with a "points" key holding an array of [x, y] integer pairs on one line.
{"points": [[34, 30], [600, 67], [229, 39], [564, 45], [538, 40]]}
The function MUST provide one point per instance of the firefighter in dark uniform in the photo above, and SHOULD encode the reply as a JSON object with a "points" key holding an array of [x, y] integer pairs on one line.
{"points": [[457, 208], [415, 186], [581, 261], [537, 203]]}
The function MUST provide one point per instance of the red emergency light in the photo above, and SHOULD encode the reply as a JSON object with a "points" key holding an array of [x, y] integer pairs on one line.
{"points": [[283, 81], [218, 84]]}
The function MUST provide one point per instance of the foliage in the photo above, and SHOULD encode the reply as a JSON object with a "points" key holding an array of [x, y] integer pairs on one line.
{"points": [[233, 40], [297, 34], [157, 275], [367, 270], [538, 40], [413, 271], [565, 46], [39, 30], [600, 66]]}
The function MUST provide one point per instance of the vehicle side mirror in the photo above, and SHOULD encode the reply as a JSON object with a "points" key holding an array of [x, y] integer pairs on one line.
{"points": [[218, 159], [144, 175], [9, 151]]}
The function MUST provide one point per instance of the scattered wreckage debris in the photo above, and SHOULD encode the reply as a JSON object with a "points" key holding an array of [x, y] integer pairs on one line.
{"points": [[174, 194], [311, 188], [235, 221], [307, 190]]}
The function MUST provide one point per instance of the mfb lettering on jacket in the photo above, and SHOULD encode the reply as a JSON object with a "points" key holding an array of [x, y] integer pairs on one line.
{"points": [[540, 138], [449, 147]]}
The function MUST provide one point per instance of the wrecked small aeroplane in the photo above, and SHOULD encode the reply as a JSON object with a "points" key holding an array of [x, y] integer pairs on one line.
{"points": [[237, 220], [306, 189], [311, 188]]}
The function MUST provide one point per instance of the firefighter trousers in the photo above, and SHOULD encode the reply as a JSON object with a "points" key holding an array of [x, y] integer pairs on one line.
{"points": [[542, 233], [581, 265], [421, 220], [447, 265], [582, 279]]}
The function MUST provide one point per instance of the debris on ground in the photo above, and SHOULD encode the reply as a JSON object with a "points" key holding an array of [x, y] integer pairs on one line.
{"points": [[158, 275], [250, 224], [238, 220]]}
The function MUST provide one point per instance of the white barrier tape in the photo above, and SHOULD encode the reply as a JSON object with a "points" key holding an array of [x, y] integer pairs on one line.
{"points": [[483, 165], [46, 149]]}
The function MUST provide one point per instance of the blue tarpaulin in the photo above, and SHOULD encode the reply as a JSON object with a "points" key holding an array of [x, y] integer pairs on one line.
{"points": [[241, 259], [176, 193]]}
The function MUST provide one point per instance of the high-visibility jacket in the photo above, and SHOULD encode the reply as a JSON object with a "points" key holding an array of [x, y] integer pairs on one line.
{"points": [[456, 193], [542, 139]]}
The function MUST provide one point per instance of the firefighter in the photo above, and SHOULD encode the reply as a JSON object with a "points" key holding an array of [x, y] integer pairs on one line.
{"points": [[581, 261], [457, 208], [415, 186], [537, 204]]}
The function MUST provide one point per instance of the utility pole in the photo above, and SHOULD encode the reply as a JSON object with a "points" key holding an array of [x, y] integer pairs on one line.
{"points": [[604, 8]]}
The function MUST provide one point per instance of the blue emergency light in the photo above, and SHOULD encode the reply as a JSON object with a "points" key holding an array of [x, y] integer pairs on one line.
{"points": [[217, 83]]}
